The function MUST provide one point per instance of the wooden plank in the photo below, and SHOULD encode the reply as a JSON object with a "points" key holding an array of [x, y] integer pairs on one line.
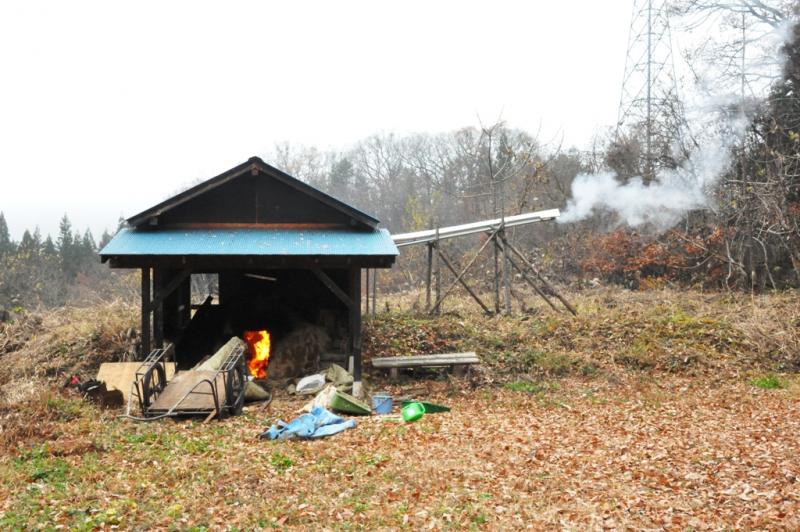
{"points": [[438, 356], [442, 356], [423, 363], [329, 356], [447, 359], [120, 375], [337, 290], [183, 382]]}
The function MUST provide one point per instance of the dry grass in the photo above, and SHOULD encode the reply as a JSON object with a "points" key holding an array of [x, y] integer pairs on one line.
{"points": [[41, 349], [615, 330]]}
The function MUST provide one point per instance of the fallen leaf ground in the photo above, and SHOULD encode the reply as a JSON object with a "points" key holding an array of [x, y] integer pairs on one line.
{"points": [[667, 410], [638, 453]]}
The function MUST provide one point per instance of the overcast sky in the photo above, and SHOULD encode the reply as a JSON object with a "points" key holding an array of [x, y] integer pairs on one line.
{"points": [[107, 108]]}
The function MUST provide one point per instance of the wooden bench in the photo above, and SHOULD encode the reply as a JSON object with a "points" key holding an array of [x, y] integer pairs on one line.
{"points": [[459, 362]]}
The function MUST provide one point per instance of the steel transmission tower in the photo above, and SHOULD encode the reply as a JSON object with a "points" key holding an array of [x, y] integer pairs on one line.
{"points": [[649, 107]]}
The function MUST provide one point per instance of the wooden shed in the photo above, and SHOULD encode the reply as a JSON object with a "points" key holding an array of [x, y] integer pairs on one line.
{"points": [[282, 252]]}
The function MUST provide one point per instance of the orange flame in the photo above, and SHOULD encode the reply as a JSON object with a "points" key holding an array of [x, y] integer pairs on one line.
{"points": [[258, 342]]}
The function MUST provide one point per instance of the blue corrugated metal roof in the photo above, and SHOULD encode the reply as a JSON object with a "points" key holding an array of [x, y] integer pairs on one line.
{"points": [[266, 241]]}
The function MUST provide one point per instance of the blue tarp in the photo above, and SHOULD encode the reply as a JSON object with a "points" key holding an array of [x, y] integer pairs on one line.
{"points": [[316, 424]]}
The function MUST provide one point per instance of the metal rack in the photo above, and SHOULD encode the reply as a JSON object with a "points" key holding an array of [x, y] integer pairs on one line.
{"points": [[512, 257], [212, 393]]}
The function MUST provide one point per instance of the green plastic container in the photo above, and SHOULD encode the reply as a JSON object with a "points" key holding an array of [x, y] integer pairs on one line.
{"points": [[430, 408], [346, 403], [412, 411]]}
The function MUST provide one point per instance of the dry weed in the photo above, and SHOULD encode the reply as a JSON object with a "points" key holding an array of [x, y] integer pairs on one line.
{"points": [[41, 349], [663, 330]]}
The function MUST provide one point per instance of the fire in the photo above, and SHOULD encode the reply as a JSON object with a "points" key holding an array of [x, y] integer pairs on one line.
{"points": [[258, 342]]}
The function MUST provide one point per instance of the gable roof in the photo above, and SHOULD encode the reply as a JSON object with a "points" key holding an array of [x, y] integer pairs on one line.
{"points": [[254, 165]]}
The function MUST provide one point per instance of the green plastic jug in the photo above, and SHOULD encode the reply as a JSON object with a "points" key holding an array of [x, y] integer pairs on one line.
{"points": [[412, 411]]}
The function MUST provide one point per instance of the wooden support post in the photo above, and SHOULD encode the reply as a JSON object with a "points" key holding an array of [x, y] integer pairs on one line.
{"points": [[366, 285], [439, 298], [145, 313], [164, 292], [542, 279], [532, 284], [496, 281], [460, 279], [177, 312], [374, 291], [506, 279], [158, 308], [185, 302], [437, 271], [429, 273], [355, 322], [162, 289]]}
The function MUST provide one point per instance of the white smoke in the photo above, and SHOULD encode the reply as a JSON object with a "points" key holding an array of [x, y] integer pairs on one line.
{"points": [[662, 202], [673, 192]]}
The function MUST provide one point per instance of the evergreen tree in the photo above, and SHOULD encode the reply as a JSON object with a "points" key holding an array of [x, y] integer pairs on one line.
{"points": [[87, 251], [37, 238], [28, 245], [67, 252], [105, 238], [88, 243], [49, 248], [6, 245], [64, 236]]}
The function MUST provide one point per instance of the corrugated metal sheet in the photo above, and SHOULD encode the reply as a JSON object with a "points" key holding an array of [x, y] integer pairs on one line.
{"points": [[250, 242]]}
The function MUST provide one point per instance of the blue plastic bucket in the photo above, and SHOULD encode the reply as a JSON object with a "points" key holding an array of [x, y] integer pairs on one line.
{"points": [[382, 403]]}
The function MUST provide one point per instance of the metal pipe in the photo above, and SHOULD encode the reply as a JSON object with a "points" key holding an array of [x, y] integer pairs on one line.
{"points": [[431, 235]]}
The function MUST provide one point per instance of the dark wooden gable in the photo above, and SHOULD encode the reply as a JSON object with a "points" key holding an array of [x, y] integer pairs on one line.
{"points": [[253, 194]]}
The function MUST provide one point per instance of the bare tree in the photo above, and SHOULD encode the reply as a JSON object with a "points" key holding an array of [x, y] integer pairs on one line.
{"points": [[741, 50]]}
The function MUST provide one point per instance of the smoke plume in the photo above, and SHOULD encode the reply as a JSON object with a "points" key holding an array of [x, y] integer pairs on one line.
{"points": [[662, 202], [672, 193]]}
